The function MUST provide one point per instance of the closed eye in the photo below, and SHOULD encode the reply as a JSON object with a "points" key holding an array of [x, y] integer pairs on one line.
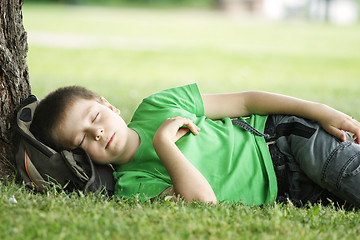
{"points": [[96, 116], [82, 140]]}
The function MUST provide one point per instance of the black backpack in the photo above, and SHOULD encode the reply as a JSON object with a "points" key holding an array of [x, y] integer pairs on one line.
{"points": [[40, 166]]}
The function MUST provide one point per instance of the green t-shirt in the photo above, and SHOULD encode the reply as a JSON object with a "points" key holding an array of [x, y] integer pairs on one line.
{"points": [[236, 163]]}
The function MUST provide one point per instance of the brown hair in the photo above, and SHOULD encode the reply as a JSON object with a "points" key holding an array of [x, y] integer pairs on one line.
{"points": [[52, 109]]}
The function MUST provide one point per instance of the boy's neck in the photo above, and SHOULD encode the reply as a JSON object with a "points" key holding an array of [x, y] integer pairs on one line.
{"points": [[133, 144]]}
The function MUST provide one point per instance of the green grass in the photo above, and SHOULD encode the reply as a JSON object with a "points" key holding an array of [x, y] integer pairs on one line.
{"points": [[155, 49], [75, 216]]}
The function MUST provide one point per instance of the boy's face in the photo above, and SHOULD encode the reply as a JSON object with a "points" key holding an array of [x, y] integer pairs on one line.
{"points": [[95, 127]]}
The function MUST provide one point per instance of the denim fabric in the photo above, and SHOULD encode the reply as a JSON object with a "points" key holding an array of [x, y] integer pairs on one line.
{"points": [[320, 163]]}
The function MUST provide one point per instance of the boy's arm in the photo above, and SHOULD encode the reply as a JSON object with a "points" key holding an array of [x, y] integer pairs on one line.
{"points": [[218, 106], [187, 181]]}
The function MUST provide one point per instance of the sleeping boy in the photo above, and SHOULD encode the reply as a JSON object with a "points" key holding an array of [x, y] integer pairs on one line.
{"points": [[183, 143]]}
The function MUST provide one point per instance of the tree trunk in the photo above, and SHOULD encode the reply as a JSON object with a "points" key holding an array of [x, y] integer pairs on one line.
{"points": [[14, 79]]}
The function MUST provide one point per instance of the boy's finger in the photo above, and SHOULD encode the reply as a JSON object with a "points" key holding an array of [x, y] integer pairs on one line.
{"points": [[337, 133], [189, 124], [356, 139], [181, 133], [193, 128]]}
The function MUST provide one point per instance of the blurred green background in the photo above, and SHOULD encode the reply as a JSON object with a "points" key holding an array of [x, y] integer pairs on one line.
{"points": [[126, 50], [136, 3]]}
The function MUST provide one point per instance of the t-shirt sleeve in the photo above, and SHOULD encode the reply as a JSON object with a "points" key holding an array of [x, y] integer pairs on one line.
{"points": [[186, 98]]}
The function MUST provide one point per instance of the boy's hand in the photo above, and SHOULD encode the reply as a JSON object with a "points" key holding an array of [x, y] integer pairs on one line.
{"points": [[174, 128], [188, 182], [334, 121]]}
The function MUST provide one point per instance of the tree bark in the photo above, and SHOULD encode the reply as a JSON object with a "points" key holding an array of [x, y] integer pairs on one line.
{"points": [[14, 79]]}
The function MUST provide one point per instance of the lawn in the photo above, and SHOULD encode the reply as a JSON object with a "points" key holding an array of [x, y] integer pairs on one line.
{"points": [[126, 54], [75, 216]]}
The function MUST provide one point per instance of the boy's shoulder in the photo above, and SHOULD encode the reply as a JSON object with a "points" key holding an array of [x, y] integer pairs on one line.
{"points": [[182, 100]]}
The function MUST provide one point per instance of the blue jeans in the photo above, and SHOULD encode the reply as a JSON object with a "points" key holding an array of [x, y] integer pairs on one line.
{"points": [[318, 162]]}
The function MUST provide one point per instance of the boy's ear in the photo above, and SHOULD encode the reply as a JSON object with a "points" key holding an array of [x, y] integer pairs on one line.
{"points": [[109, 105]]}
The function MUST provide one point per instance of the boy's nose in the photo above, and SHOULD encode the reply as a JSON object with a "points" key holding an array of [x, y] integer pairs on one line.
{"points": [[99, 134]]}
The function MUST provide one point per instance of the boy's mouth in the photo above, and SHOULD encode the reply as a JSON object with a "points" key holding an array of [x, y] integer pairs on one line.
{"points": [[109, 142]]}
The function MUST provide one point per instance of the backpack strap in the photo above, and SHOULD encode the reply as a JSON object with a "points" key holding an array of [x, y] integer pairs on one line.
{"points": [[246, 126], [75, 161], [96, 177]]}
